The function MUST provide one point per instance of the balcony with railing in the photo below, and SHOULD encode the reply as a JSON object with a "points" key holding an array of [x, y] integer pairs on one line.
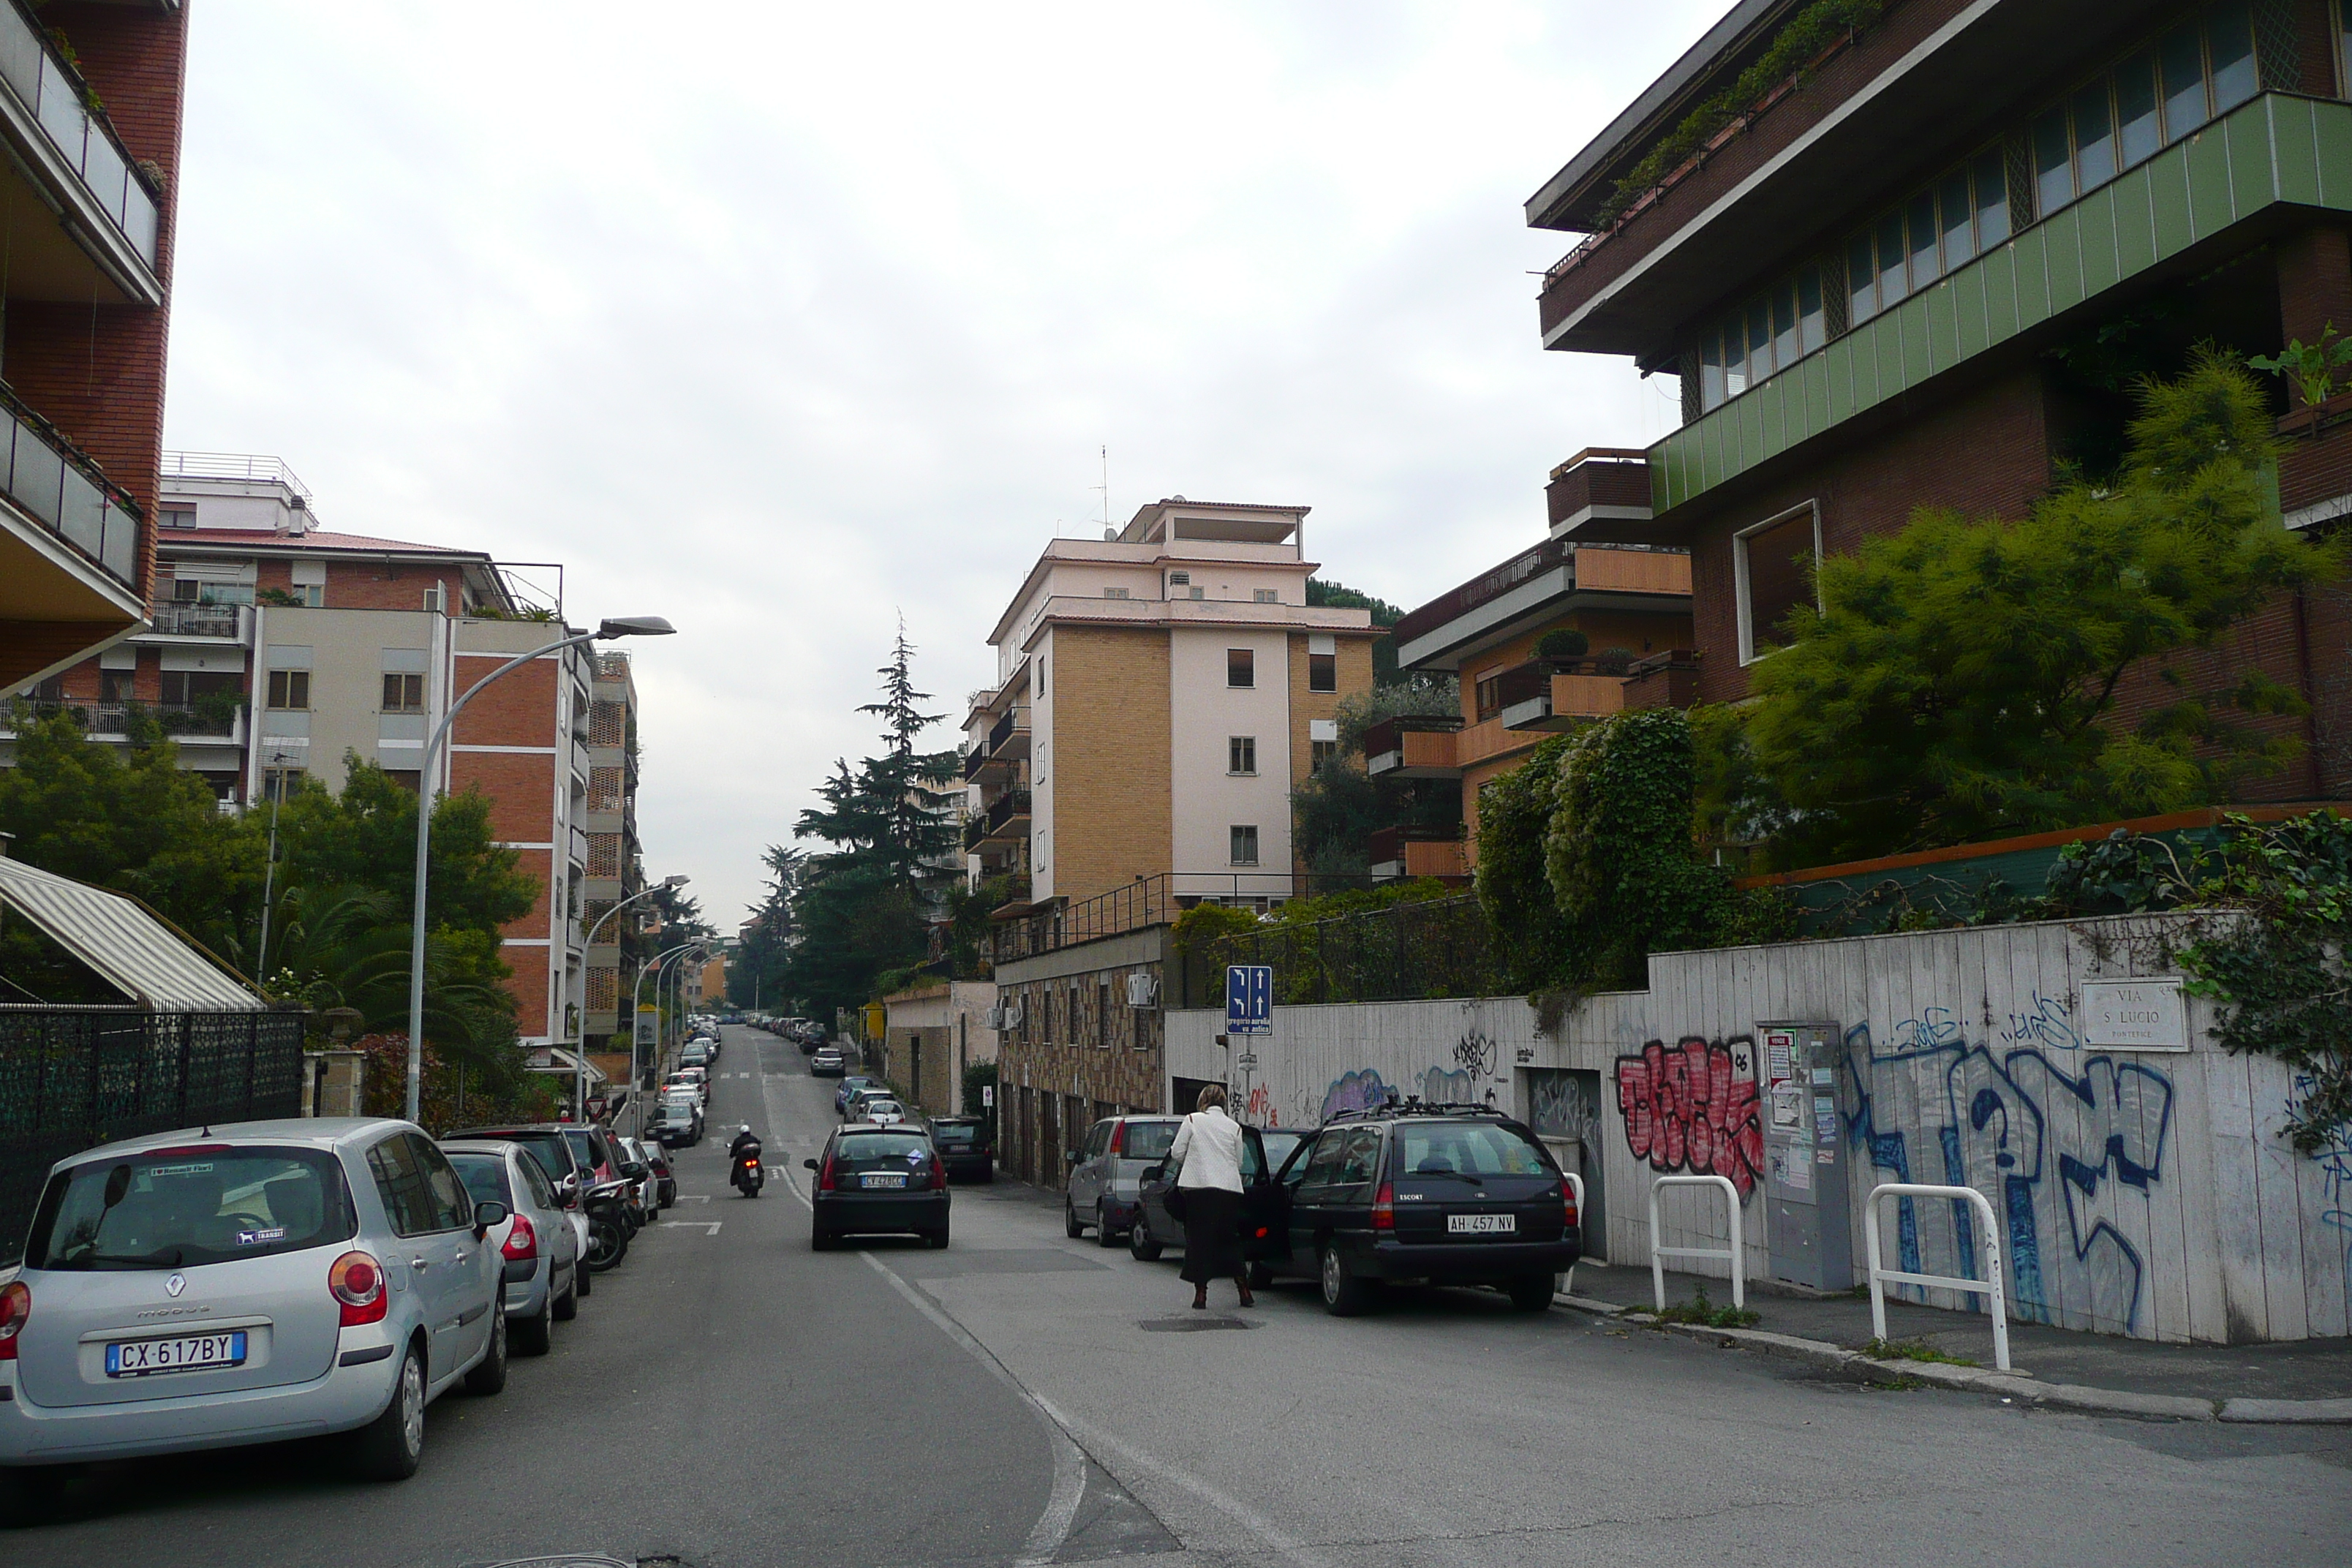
{"points": [[1008, 738], [1413, 746], [1007, 817], [224, 622], [1415, 849], [66, 494], [69, 148], [116, 721], [1557, 694]]}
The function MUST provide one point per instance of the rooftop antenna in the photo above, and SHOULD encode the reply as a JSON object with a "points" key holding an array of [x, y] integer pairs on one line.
{"points": [[1109, 532]]}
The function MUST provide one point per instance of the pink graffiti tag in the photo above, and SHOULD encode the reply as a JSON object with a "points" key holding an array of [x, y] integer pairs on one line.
{"points": [[1693, 1108]]}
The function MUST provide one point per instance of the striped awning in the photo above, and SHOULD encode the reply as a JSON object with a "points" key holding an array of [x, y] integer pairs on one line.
{"points": [[129, 949]]}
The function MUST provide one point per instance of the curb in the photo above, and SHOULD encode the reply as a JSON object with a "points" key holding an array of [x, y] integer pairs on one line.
{"points": [[2019, 1386]]}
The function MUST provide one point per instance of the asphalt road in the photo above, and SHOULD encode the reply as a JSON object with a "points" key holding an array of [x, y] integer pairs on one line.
{"points": [[730, 1399]]}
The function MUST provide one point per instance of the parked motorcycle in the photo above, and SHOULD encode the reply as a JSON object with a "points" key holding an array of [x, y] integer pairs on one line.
{"points": [[608, 1224], [749, 1174]]}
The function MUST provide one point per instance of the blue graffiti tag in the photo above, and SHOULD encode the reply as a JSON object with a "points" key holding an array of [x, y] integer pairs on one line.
{"points": [[1994, 1135], [2335, 1163]]}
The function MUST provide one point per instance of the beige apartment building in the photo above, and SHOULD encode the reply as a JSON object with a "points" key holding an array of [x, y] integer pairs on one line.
{"points": [[1160, 693]]}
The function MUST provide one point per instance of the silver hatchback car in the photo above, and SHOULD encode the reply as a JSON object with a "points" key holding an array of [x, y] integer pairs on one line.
{"points": [[247, 1284]]}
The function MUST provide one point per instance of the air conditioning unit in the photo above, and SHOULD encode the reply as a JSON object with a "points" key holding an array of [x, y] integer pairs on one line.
{"points": [[1143, 989], [996, 1018]]}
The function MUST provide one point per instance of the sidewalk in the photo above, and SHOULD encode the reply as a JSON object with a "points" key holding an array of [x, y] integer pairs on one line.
{"points": [[2308, 1381]]}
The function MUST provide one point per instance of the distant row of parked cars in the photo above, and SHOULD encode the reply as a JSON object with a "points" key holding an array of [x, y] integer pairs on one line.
{"points": [[275, 1280]]}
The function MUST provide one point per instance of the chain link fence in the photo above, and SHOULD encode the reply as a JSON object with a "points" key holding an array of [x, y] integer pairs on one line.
{"points": [[71, 1078]]}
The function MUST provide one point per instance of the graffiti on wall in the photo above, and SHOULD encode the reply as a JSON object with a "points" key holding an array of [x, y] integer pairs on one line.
{"points": [[1559, 1107], [1692, 1107], [2064, 1151], [2335, 1163], [1358, 1090]]}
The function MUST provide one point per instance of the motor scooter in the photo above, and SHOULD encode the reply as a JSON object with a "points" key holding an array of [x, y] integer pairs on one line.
{"points": [[746, 1171], [606, 1204]]}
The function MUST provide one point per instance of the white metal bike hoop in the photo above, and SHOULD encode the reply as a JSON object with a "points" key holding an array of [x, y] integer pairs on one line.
{"points": [[1576, 1185], [1733, 1255], [1989, 1286]]}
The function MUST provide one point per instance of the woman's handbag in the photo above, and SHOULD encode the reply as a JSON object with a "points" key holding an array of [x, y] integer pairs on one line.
{"points": [[1176, 1202]]}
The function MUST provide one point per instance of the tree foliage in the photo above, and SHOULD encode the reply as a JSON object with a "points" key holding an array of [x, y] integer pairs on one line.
{"points": [[861, 909], [1961, 679]]}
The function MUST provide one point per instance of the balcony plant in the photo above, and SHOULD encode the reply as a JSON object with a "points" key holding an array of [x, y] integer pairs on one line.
{"points": [[2312, 369], [1563, 648]]}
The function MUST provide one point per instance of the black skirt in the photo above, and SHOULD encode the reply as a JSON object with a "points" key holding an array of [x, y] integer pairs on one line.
{"points": [[1213, 1234]]}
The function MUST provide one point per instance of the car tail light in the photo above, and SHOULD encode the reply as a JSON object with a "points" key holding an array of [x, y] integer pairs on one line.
{"points": [[521, 1241], [938, 1175], [16, 1307], [356, 1281], [1568, 1198], [824, 1177], [1119, 1139], [1384, 1208]]}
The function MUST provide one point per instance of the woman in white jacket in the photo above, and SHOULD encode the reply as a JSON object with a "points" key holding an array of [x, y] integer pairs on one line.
{"points": [[1210, 1146]]}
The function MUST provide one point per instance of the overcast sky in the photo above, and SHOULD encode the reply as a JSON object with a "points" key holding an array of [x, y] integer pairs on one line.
{"points": [[784, 320]]}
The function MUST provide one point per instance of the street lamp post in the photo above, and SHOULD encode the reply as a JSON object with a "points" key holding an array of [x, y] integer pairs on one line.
{"points": [[623, 626], [580, 1062], [637, 1000]]}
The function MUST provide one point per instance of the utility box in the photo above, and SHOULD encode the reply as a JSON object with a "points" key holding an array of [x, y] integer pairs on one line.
{"points": [[1804, 1155]]}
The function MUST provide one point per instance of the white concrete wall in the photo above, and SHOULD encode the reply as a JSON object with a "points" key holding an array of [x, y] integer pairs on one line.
{"points": [[2143, 1193], [1205, 713]]}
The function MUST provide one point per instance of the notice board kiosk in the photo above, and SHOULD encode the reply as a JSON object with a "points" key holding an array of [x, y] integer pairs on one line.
{"points": [[1804, 1155]]}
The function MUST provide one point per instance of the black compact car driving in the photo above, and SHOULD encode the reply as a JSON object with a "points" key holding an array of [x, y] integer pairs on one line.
{"points": [[965, 1148], [1450, 1195], [874, 1180]]}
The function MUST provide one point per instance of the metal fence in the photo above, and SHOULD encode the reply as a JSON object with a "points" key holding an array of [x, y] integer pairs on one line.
{"points": [[71, 1078], [1411, 951]]}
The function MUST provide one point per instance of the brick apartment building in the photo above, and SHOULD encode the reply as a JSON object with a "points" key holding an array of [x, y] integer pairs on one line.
{"points": [[1160, 694], [281, 650], [87, 214], [1889, 283]]}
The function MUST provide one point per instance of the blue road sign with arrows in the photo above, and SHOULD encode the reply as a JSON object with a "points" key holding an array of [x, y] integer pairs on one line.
{"points": [[1249, 999]]}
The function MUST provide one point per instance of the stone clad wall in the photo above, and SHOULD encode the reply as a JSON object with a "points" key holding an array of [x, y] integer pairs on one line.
{"points": [[2142, 1193]]}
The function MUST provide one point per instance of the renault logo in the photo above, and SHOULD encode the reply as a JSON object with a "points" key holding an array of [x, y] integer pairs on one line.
{"points": [[174, 1285]]}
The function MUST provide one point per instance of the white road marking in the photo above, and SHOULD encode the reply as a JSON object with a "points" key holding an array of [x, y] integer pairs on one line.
{"points": [[694, 1197], [709, 1226], [1053, 1526]]}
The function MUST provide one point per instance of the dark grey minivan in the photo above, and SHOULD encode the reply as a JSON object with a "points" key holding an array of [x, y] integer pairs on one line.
{"points": [[1106, 1170]]}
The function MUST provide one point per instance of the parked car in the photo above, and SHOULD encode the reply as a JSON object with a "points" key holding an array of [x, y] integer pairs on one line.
{"points": [[696, 1055], [842, 1096], [872, 1179], [1279, 1141], [546, 1143], [649, 1185], [675, 1126], [964, 1147], [205, 1289], [882, 1111], [827, 1061], [1105, 1169], [1153, 1229], [867, 1095], [1448, 1195], [665, 1178], [536, 1241]]}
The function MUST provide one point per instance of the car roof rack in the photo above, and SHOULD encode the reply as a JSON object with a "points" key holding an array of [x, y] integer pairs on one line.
{"points": [[1413, 1105]]}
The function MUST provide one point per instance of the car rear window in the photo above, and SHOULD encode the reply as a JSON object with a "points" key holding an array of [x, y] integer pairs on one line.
{"points": [[485, 1176], [584, 1148], [949, 1132], [1478, 1148], [880, 1150], [173, 1208], [1147, 1140], [553, 1154]]}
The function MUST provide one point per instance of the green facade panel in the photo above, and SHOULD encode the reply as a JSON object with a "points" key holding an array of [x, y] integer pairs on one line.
{"points": [[2272, 149]]}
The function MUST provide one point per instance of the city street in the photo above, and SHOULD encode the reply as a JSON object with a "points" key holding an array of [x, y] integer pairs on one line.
{"points": [[728, 1399]]}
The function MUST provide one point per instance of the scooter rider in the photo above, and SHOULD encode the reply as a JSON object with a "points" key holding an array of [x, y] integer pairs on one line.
{"points": [[744, 1139]]}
